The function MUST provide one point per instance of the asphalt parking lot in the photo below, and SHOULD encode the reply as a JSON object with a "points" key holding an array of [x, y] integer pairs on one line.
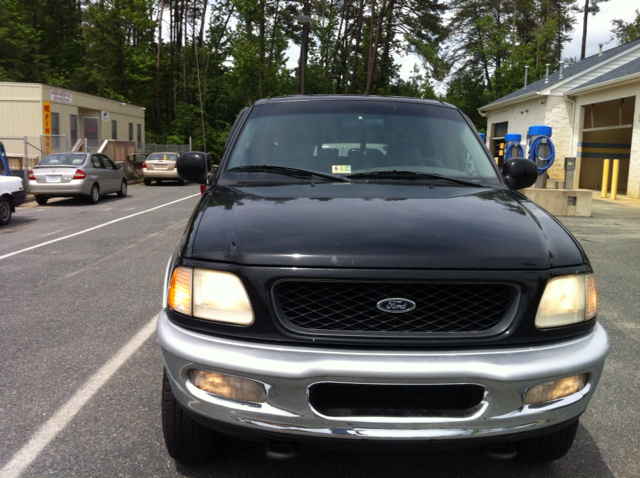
{"points": [[80, 368]]}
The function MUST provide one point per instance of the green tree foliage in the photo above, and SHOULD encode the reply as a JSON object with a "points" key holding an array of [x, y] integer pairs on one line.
{"points": [[624, 32], [466, 89], [194, 64], [493, 40]]}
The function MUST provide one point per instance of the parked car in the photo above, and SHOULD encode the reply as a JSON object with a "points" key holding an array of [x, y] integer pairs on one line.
{"points": [[12, 193], [159, 167], [403, 294], [90, 175]]}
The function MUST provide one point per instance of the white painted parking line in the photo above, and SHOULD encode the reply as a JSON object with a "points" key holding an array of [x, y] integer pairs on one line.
{"points": [[52, 428], [94, 228]]}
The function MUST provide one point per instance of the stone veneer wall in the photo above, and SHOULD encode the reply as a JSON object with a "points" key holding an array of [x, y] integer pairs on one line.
{"points": [[556, 111], [551, 111]]}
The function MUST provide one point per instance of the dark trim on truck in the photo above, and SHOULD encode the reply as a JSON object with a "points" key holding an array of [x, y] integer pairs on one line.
{"points": [[18, 198]]}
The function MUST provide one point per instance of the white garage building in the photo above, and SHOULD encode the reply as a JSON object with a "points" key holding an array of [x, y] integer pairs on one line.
{"points": [[593, 107]]}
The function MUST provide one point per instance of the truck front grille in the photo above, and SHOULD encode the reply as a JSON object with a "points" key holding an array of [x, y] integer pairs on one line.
{"points": [[350, 308]]}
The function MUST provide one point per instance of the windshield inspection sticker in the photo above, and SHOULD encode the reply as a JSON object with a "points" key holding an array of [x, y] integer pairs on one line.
{"points": [[338, 169]]}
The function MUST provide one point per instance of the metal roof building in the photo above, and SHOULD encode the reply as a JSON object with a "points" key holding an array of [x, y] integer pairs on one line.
{"points": [[53, 118], [592, 105]]}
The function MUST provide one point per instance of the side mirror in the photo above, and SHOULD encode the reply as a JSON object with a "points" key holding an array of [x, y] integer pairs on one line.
{"points": [[118, 166], [194, 167], [520, 173]]}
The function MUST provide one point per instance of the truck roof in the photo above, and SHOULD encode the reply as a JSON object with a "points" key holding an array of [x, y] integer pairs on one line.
{"points": [[293, 98]]}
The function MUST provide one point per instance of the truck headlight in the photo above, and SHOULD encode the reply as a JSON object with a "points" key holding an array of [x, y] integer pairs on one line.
{"points": [[211, 295], [567, 300]]}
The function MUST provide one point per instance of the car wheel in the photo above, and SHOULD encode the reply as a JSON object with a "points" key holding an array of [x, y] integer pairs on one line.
{"points": [[94, 195], [158, 181], [547, 447], [42, 200], [186, 440], [122, 192], [181, 182], [147, 182], [5, 211]]}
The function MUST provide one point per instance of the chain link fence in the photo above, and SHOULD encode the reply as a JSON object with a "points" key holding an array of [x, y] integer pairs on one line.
{"points": [[163, 148], [54, 143], [23, 154]]}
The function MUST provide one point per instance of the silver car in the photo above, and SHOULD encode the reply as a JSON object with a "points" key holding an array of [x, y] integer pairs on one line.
{"points": [[160, 166], [90, 175]]}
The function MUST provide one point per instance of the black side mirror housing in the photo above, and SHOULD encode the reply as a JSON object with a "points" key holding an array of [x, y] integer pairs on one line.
{"points": [[194, 167], [520, 173]]}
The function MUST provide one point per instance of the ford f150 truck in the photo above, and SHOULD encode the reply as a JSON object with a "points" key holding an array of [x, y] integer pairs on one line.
{"points": [[360, 273]]}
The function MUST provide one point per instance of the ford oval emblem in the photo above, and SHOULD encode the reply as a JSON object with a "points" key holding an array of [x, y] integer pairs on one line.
{"points": [[396, 306]]}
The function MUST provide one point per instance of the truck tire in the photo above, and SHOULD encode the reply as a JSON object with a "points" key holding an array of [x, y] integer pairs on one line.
{"points": [[187, 440], [5, 211], [547, 447]]}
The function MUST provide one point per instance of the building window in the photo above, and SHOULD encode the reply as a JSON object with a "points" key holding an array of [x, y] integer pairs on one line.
{"points": [[114, 129], [73, 129], [139, 133], [55, 129], [130, 131]]}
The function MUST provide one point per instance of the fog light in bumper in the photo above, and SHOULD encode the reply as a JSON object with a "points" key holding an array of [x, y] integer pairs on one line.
{"points": [[549, 391], [228, 386]]}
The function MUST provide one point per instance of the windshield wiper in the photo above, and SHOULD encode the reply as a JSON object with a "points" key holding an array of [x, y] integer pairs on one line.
{"points": [[266, 168], [414, 175]]}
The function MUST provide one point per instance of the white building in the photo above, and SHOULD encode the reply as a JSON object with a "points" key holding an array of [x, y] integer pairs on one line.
{"points": [[593, 107], [53, 119]]}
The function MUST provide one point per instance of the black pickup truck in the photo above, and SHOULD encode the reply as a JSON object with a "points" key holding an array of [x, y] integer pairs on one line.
{"points": [[359, 273]]}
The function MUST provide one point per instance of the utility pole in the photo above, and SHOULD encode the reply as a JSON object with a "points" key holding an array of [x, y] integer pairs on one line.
{"points": [[303, 20]]}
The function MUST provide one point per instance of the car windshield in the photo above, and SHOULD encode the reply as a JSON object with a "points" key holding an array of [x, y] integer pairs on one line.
{"points": [[163, 157], [356, 137], [64, 159]]}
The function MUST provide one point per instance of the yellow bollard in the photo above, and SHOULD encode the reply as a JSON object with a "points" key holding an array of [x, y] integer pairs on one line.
{"points": [[605, 178], [614, 178]]}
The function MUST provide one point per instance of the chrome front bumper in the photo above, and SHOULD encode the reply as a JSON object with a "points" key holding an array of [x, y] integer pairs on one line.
{"points": [[288, 371]]}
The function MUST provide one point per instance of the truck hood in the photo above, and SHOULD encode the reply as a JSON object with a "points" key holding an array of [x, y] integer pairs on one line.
{"points": [[351, 225]]}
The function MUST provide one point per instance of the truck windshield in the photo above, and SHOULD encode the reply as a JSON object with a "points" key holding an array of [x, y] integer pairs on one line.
{"points": [[344, 137]]}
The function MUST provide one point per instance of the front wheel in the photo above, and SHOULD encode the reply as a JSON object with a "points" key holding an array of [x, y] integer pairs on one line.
{"points": [[42, 200], [547, 447], [122, 192], [5, 211], [94, 195], [186, 440]]}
